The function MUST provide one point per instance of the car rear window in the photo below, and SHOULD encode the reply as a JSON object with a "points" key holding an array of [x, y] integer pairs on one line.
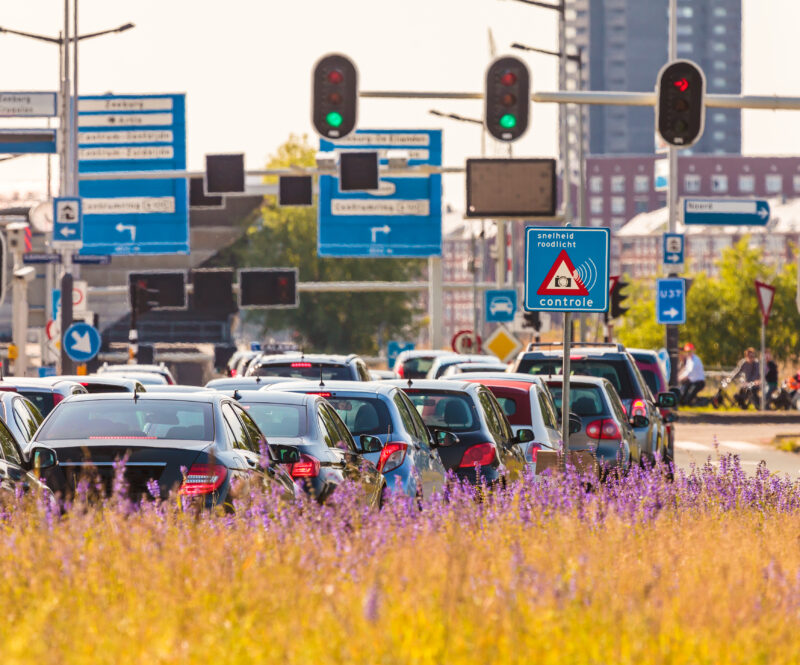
{"points": [[305, 370], [129, 419], [278, 419], [43, 401], [94, 388], [651, 380], [583, 400], [417, 368], [362, 415], [616, 371], [447, 410]]}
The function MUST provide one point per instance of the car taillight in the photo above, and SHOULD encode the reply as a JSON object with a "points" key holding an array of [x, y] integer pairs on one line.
{"points": [[392, 456], [533, 450], [300, 365], [603, 429], [307, 467], [203, 479], [57, 397], [638, 408], [325, 395], [401, 371], [482, 454]]}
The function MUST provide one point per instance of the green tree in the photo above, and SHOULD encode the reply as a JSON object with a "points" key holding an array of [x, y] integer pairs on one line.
{"points": [[325, 322], [638, 328]]}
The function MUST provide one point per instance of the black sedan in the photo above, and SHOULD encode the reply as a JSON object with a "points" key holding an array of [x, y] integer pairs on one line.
{"points": [[20, 415], [328, 452], [198, 443], [16, 471]]}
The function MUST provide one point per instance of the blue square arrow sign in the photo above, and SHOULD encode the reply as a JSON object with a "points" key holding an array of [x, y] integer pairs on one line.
{"points": [[671, 300], [673, 250], [67, 222]]}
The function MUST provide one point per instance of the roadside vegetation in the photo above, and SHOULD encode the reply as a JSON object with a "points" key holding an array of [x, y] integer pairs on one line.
{"points": [[705, 569]]}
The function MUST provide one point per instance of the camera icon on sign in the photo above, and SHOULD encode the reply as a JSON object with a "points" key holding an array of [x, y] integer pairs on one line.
{"points": [[565, 282]]}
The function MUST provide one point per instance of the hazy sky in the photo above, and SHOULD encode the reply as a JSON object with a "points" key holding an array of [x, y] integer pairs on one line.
{"points": [[245, 66]]}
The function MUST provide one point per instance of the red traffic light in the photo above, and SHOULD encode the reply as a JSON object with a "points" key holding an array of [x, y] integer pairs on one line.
{"points": [[335, 76], [508, 99], [335, 98], [508, 78], [681, 84]]}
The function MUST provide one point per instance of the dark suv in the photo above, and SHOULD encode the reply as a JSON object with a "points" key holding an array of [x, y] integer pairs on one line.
{"points": [[311, 366], [614, 363]]}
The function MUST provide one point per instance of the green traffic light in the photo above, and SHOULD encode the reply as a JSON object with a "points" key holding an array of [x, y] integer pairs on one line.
{"points": [[508, 121], [334, 119]]}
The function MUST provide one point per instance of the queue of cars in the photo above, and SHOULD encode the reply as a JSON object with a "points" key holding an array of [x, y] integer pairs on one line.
{"points": [[304, 424]]}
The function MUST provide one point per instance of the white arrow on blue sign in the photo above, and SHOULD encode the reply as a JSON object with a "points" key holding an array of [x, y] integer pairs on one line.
{"points": [[67, 221], [671, 300], [81, 342], [726, 212]]}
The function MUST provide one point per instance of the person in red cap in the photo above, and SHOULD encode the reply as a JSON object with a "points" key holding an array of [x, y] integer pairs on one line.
{"points": [[692, 377]]}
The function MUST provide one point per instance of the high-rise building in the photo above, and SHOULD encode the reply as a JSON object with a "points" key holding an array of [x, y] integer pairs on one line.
{"points": [[624, 45]]}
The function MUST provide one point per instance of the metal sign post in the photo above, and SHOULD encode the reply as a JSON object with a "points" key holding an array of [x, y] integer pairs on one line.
{"points": [[565, 370], [765, 294]]}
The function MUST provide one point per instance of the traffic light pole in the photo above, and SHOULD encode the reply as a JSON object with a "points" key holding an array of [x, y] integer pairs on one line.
{"points": [[671, 330]]}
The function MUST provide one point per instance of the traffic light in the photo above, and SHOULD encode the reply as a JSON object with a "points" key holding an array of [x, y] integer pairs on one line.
{"points": [[212, 291], [224, 174], [358, 171], [268, 288], [617, 298], [508, 93], [157, 290], [295, 190], [335, 96], [533, 320], [680, 108]]}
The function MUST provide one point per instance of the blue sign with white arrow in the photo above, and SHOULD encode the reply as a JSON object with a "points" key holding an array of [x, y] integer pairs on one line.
{"points": [[67, 221], [566, 269], [673, 249], [394, 349], [81, 342], [133, 133], [501, 305], [726, 212], [671, 300], [402, 218]]}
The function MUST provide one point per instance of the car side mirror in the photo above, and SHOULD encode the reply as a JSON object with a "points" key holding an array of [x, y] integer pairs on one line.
{"points": [[667, 400], [443, 438], [43, 458], [370, 444], [284, 454], [640, 421], [575, 424], [524, 436]]}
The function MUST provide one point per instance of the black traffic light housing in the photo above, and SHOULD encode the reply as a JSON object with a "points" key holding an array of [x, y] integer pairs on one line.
{"points": [[508, 94], [533, 320], [616, 309], [157, 290], [680, 107], [334, 105], [268, 288]]}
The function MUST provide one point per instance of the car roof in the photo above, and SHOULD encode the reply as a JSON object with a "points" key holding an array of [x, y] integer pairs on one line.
{"points": [[208, 396], [555, 379], [274, 397], [470, 357], [256, 381], [372, 387], [522, 386], [299, 356], [434, 384], [51, 382], [417, 353], [102, 378], [125, 367]]}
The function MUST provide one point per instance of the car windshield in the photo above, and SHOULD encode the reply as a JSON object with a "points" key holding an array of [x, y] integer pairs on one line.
{"points": [[130, 419], [305, 370], [615, 371], [583, 400], [43, 401], [447, 410], [362, 415], [276, 420], [417, 368]]}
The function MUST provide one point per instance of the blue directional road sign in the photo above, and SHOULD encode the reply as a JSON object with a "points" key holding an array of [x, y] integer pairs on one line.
{"points": [[81, 342], [566, 269], [403, 218], [501, 305], [394, 349], [673, 249], [671, 300], [726, 212], [67, 221], [133, 133]]}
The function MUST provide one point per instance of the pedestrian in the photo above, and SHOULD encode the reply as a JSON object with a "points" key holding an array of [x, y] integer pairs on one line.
{"points": [[748, 370], [771, 372], [692, 377]]}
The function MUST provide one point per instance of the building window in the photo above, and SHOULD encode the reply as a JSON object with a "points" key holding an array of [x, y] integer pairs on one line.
{"points": [[718, 47], [617, 223], [596, 184], [684, 30], [685, 47], [720, 118], [641, 206], [796, 183], [719, 30], [597, 221], [719, 183], [747, 184], [618, 184], [596, 205], [719, 82], [719, 136], [691, 182], [719, 12], [685, 12], [720, 64], [774, 183], [618, 205], [641, 184]]}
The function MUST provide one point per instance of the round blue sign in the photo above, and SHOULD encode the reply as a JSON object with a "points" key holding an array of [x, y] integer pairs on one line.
{"points": [[81, 342]]}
